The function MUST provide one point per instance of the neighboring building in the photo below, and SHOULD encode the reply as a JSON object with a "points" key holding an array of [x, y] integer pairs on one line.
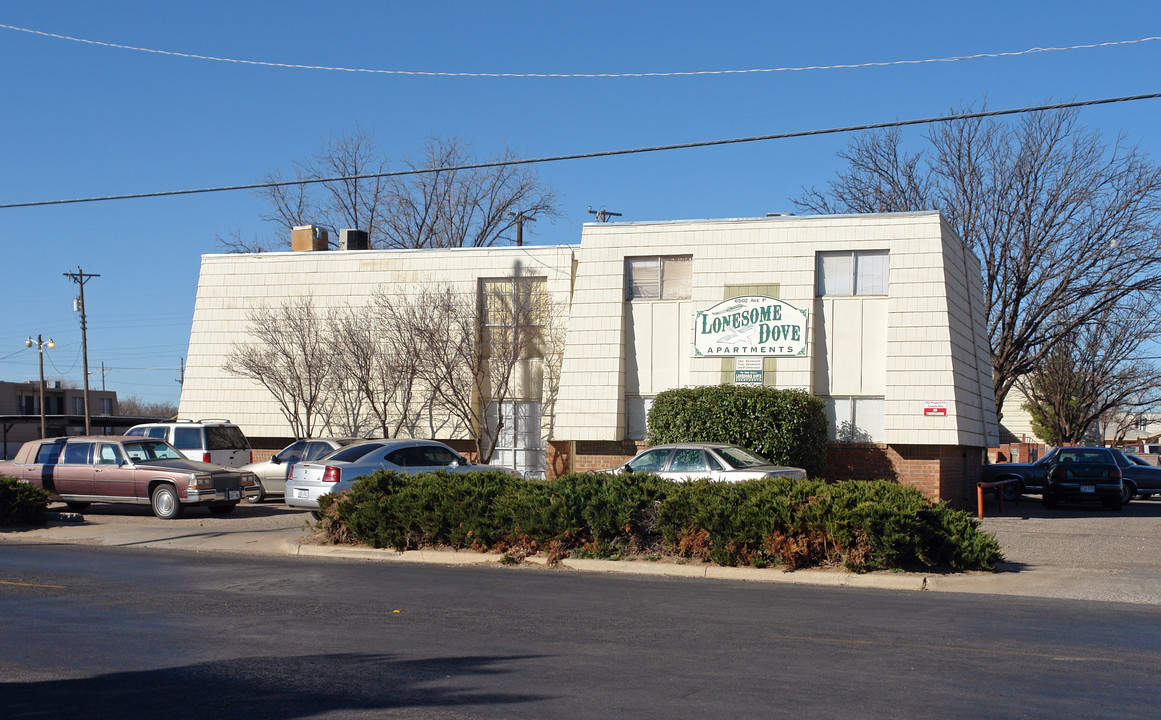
{"points": [[64, 410], [889, 309]]}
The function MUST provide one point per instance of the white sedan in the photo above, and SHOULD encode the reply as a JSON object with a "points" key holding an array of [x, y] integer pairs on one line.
{"points": [[338, 471], [715, 461]]}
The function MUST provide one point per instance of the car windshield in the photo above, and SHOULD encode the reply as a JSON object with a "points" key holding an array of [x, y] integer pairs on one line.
{"points": [[150, 451], [739, 458], [352, 453]]}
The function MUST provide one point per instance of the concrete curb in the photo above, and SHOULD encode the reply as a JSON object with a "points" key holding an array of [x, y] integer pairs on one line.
{"points": [[833, 578]]}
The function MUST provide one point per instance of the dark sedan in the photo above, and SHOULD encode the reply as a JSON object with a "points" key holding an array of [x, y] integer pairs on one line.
{"points": [[1140, 479]]}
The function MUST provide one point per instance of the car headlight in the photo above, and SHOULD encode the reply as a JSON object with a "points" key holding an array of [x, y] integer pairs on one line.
{"points": [[200, 481], [249, 479]]}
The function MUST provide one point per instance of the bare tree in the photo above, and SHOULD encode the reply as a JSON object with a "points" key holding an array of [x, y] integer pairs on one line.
{"points": [[1092, 373], [1066, 225], [477, 351], [442, 207], [134, 406], [290, 359], [437, 206], [373, 354]]}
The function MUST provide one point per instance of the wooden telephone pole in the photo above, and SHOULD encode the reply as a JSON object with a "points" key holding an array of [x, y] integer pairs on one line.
{"points": [[80, 278]]}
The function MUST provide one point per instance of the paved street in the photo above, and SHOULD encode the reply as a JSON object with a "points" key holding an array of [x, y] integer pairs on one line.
{"points": [[116, 632]]}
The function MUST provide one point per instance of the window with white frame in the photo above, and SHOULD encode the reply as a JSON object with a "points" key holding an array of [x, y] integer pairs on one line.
{"points": [[856, 419], [852, 272], [519, 444], [514, 311], [664, 277]]}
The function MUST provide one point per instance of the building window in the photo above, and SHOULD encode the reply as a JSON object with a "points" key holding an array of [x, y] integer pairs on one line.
{"points": [[514, 312], [856, 419], [78, 405], [666, 277], [855, 272], [106, 406], [518, 445]]}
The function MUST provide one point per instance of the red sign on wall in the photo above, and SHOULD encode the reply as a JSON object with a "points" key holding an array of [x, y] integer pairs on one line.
{"points": [[935, 409]]}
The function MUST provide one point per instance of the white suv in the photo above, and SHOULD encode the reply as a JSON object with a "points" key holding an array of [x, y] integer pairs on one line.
{"points": [[220, 442]]}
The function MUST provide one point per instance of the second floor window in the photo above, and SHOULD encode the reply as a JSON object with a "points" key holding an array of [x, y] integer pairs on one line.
{"points": [[852, 272], [664, 277], [513, 314]]}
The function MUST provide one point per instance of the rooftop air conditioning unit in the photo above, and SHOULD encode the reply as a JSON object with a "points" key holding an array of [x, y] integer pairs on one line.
{"points": [[353, 240]]}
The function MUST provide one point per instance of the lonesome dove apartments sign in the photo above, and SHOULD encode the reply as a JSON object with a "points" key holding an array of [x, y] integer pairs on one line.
{"points": [[750, 325]]}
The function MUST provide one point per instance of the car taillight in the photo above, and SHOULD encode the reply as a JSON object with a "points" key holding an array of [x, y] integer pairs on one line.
{"points": [[332, 474], [1115, 474], [205, 457]]}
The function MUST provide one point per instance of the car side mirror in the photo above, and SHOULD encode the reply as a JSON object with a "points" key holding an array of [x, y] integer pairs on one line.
{"points": [[275, 460]]}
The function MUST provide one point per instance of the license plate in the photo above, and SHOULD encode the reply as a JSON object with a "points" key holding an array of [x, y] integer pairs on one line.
{"points": [[300, 493], [1087, 488]]}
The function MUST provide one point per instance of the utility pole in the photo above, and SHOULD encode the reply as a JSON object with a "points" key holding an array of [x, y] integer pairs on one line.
{"points": [[40, 345], [80, 279], [520, 218], [603, 215]]}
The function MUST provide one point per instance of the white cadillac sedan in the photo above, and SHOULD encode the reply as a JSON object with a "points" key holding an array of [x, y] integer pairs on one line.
{"points": [[337, 472], [715, 461]]}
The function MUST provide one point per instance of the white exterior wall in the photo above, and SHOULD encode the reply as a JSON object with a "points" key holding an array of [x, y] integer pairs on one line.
{"points": [[924, 342], [935, 349], [231, 286]]}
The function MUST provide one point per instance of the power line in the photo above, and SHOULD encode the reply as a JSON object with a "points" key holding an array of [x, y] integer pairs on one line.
{"points": [[689, 73], [605, 153]]}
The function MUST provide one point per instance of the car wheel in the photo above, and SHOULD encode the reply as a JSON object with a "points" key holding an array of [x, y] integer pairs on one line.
{"points": [[1128, 492], [259, 497], [77, 506], [165, 502], [1011, 491], [223, 509]]}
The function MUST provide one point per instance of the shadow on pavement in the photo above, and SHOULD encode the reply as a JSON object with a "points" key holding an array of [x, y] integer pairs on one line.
{"points": [[267, 687]]}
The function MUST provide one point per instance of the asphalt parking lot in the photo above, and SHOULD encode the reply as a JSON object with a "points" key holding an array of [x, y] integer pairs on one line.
{"points": [[1078, 551]]}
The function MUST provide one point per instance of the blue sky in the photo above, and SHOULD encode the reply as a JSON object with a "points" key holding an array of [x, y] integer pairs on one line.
{"points": [[84, 120]]}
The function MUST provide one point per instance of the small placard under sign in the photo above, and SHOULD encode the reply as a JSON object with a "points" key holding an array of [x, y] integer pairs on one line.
{"points": [[935, 409]]}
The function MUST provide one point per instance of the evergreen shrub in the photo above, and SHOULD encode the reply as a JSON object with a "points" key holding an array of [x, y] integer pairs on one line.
{"points": [[788, 427], [21, 503], [771, 522]]}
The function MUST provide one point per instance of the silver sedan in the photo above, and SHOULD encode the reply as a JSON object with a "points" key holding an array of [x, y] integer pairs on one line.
{"points": [[272, 473], [715, 461], [338, 471]]}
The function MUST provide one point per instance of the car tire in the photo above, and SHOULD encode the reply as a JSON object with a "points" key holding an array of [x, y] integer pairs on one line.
{"points": [[1128, 492], [78, 506], [1012, 491], [223, 509], [165, 502], [259, 497]]}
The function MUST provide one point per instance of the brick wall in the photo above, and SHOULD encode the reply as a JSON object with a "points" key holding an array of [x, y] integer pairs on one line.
{"points": [[941, 472]]}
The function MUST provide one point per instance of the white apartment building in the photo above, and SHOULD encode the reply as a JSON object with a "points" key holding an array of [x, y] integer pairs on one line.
{"points": [[881, 315]]}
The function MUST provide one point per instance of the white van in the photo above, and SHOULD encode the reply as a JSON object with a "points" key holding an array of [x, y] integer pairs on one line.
{"points": [[220, 442]]}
